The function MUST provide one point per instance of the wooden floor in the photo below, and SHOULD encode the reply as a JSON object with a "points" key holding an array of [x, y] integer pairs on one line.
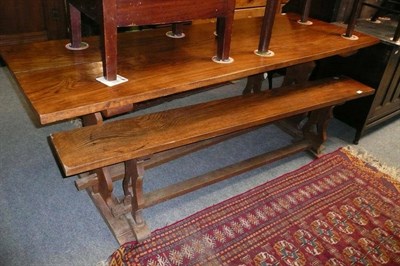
{"points": [[60, 84]]}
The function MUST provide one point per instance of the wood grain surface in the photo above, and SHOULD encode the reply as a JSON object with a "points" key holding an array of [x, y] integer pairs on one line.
{"points": [[92, 147], [60, 84]]}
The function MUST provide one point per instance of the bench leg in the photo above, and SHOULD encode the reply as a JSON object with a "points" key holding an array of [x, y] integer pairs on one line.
{"points": [[134, 171], [315, 127], [105, 186]]}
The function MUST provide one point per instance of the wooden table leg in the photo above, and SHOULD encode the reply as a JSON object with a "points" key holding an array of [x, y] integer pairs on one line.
{"points": [[92, 119], [254, 83], [298, 74]]}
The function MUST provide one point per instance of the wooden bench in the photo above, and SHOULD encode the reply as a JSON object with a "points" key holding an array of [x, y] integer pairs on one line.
{"points": [[137, 140]]}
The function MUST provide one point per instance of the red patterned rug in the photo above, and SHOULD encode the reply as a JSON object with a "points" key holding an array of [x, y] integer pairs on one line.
{"points": [[340, 209]]}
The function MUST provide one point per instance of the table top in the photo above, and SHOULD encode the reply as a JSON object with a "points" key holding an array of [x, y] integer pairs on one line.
{"points": [[61, 84]]}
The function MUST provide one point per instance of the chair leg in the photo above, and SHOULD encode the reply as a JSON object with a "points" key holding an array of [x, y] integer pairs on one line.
{"points": [[109, 40], [379, 12], [224, 35], [75, 29]]}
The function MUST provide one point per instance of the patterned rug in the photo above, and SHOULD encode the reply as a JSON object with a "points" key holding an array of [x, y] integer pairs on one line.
{"points": [[341, 209]]}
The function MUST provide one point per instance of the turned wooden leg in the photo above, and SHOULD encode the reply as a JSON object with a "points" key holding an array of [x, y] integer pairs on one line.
{"points": [[315, 127], [109, 40], [135, 171]]}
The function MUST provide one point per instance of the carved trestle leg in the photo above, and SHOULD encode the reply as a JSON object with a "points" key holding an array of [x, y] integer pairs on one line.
{"points": [[314, 129], [117, 211], [134, 172], [105, 186]]}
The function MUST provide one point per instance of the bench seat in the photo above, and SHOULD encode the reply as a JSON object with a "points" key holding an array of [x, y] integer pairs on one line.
{"points": [[92, 147]]}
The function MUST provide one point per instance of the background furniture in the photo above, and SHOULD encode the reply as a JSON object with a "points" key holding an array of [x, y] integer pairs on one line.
{"points": [[377, 66], [332, 10], [112, 14], [24, 21]]}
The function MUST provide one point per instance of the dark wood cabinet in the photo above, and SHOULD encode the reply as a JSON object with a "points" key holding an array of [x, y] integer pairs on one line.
{"points": [[378, 67], [320, 9], [23, 21]]}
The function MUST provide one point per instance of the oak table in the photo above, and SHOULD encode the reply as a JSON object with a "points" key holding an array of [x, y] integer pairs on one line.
{"points": [[61, 84]]}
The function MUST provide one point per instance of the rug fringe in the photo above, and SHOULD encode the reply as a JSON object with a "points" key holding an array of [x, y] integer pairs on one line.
{"points": [[392, 172], [102, 263]]}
